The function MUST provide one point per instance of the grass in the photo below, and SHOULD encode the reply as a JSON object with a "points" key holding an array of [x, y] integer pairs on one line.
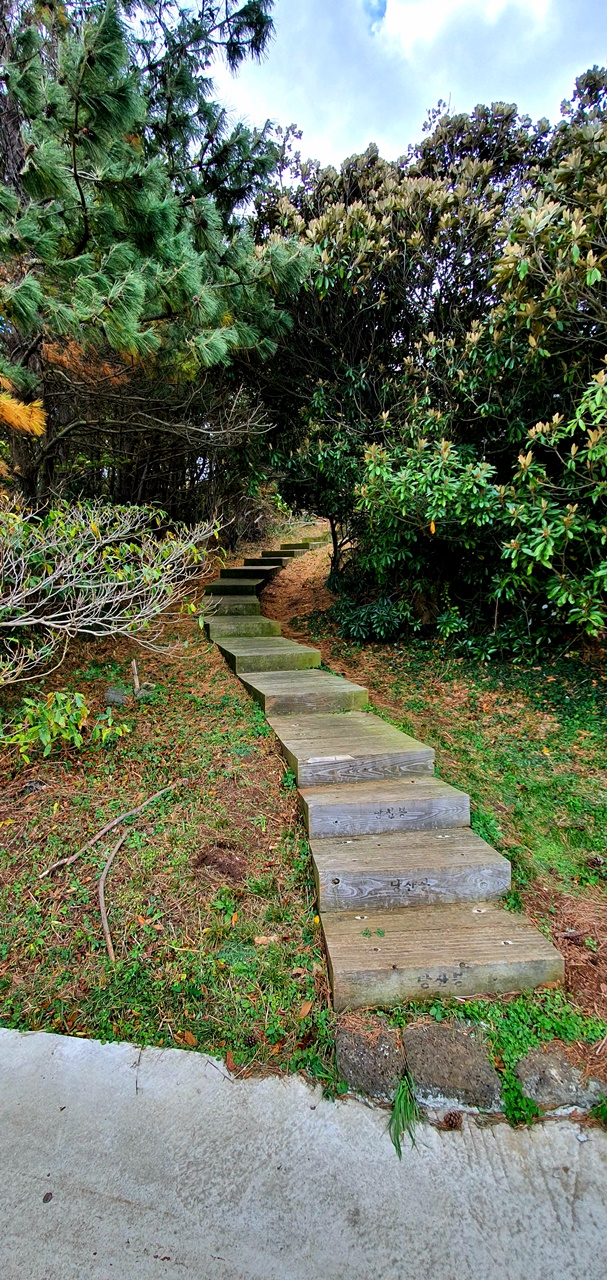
{"points": [[529, 746], [211, 898], [512, 1027], [404, 1116]]}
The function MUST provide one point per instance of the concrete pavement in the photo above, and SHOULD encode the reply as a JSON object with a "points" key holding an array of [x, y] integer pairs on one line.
{"points": [[145, 1164]]}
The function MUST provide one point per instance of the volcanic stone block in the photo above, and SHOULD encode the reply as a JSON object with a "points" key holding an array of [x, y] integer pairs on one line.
{"points": [[448, 1063]]}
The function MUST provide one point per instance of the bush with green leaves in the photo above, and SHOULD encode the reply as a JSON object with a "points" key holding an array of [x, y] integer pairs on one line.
{"points": [[88, 569], [438, 520], [59, 718]]}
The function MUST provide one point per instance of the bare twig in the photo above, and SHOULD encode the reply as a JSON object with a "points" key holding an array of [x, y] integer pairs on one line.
{"points": [[67, 862], [601, 1046], [101, 887], [135, 677]]}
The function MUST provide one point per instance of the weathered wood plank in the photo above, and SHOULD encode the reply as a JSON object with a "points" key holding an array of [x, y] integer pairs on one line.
{"points": [[267, 653], [407, 869], [215, 606], [416, 803], [386, 957], [357, 746], [241, 625], [283, 692]]}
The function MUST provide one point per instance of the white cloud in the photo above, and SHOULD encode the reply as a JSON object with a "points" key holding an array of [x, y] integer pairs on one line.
{"points": [[414, 22]]}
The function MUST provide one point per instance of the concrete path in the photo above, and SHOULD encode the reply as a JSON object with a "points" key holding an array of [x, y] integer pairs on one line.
{"points": [[145, 1164]]}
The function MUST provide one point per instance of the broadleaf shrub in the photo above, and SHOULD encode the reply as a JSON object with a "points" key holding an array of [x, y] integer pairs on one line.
{"points": [[59, 718]]}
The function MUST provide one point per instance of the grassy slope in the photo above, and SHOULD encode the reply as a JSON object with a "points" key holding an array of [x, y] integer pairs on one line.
{"points": [[210, 899]]}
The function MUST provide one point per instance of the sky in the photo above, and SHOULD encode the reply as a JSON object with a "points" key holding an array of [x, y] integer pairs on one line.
{"points": [[350, 72]]}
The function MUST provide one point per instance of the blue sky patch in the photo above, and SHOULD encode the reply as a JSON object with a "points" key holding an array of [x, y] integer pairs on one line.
{"points": [[375, 10]]}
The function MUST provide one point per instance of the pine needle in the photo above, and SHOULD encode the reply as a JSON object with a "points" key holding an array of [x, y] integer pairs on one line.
{"points": [[29, 419]]}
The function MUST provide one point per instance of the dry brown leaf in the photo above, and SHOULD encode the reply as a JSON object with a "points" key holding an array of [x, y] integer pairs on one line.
{"points": [[189, 1038], [305, 1009], [263, 941], [230, 1064]]}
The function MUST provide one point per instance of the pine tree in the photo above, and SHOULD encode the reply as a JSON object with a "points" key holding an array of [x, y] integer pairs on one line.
{"points": [[103, 244]]}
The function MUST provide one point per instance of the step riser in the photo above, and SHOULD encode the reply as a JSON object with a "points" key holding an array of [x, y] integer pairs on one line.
{"points": [[358, 747], [286, 555], [375, 769], [361, 991], [263, 571], [417, 888], [285, 704], [221, 606], [241, 663], [278, 562], [233, 587], [371, 819], [254, 627]]}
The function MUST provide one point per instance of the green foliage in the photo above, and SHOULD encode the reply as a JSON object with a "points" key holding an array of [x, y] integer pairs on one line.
{"points": [[452, 332], [381, 620], [405, 1115], [126, 276], [512, 1028], [59, 718], [600, 1113], [433, 515]]}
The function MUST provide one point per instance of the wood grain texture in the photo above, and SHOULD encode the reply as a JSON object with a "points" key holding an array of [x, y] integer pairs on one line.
{"points": [[415, 803], [242, 625], [387, 957], [267, 653], [214, 606], [356, 746], [401, 869], [283, 692]]}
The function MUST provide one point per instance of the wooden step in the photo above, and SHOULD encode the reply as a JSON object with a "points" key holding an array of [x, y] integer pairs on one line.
{"points": [[386, 957], [407, 869], [259, 561], [236, 586], [267, 653], [281, 692], [358, 746], [241, 626], [266, 571], [215, 606], [284, 555], [416, 803], [295, 546]]}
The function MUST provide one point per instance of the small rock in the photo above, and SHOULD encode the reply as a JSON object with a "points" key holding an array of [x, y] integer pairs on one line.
{"points": [[370, 1056], [550, 1080], [143, 694], [31, 787], [451, 1063], [114, 697]]}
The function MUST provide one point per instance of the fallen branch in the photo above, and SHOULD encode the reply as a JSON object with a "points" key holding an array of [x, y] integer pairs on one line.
{"points": [[101, 887], [67, 862]]}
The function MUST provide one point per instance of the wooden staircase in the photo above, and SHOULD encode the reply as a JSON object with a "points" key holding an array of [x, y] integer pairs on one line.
{"points": [[408, 894]]}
